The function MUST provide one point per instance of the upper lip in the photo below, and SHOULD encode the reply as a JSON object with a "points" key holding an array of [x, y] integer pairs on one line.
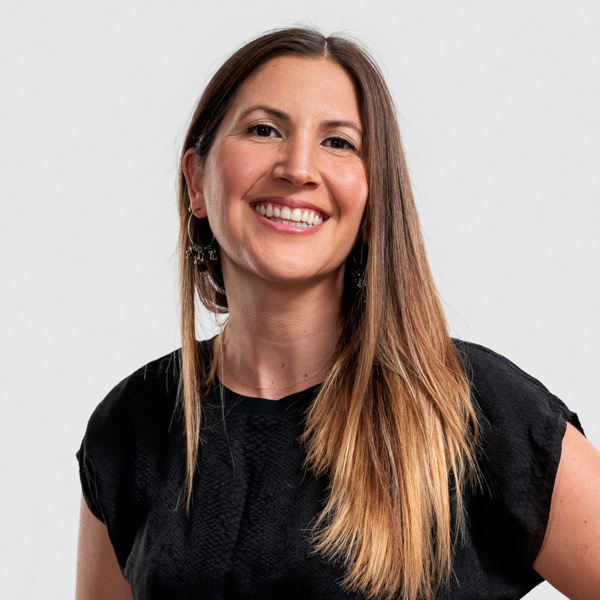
{"points": [[291, 202]]}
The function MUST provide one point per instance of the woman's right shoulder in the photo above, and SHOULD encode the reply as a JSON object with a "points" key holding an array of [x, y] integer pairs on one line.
{"points": [[150, 388], [150, 391], [129, 438]]}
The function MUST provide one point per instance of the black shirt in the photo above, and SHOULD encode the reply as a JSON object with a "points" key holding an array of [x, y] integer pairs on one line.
{"points": [[254, 502]]}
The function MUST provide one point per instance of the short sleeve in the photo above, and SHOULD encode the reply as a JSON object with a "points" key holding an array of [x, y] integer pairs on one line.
{"points": [[88, 483], [522, 426], [123, 452], [106, 467]]}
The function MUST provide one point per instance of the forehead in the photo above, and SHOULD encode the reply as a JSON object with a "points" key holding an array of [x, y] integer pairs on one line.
{"points": [[301, 86]]}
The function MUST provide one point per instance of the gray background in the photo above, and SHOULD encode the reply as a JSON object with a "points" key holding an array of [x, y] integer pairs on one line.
{"points": [[498, 103]]}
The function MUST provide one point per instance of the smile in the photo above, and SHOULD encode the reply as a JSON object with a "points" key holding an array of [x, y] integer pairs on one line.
{"points": [[284, 214]]}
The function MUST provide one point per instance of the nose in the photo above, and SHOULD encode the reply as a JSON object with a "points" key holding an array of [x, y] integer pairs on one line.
{"points": [[298, 162]]}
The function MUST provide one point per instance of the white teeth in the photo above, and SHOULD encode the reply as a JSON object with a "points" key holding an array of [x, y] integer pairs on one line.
{"points": [[294, 223], [288, 216]]}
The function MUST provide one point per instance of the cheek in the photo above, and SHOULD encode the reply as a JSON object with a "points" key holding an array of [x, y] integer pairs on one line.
{"points": [[353, 189], [233, 171]]}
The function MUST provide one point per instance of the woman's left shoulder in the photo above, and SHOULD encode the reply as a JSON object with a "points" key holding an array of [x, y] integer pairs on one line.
{"points": [[521, 426], [502, 391], [522, 429]]}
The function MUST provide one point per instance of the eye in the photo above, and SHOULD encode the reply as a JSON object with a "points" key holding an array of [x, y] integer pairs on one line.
{"points": [[339, 143], [262, 130]]}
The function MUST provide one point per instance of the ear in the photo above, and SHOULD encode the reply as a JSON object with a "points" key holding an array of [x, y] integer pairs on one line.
{"points": [[193, 172]]}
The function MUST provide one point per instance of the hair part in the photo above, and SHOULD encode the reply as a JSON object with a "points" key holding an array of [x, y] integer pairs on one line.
{"points": [[399, 445]]}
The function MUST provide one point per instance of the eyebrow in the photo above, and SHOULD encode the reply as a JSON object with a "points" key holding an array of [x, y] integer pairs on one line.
{"points": [[285, 117]]}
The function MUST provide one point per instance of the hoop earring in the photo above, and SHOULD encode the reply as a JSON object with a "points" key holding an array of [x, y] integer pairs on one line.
{"points": [[200, 254]]}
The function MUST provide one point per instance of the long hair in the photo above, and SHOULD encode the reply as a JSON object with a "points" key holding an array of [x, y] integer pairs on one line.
{"points": [[392, 426]]}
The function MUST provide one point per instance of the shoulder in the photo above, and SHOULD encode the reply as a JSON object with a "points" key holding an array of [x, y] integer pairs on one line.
{"points": [[134, 415], [139, 419], [483, 364], [521, 426], [503, 391], [140, 412], [128, 442], [149, 389]]}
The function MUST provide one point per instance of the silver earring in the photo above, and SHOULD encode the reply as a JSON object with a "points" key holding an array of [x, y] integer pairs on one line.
{"points": [[200, 254]]}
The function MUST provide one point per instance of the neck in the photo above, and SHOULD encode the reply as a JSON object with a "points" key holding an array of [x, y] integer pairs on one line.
{"points": [[279, 337]]}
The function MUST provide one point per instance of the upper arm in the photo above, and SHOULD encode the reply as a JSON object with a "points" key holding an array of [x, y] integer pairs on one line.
{"points": [[98, 573], [570, 555]]}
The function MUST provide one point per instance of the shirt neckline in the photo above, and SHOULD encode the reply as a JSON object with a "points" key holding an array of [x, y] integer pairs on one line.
{"points": [[239, 403]]}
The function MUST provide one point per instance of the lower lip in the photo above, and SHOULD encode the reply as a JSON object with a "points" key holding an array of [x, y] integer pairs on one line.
{"points": [[290, 229]]}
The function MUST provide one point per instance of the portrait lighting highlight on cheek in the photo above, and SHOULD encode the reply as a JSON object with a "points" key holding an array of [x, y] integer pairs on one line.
{"points": [[285, 177]]}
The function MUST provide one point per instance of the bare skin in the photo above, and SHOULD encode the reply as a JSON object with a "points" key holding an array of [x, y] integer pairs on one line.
{"points": [[98, 573], [570, 555], [279, 321]]}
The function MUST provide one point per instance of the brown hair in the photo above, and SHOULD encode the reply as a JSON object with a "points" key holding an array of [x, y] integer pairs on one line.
{"points": [[392, 426]]}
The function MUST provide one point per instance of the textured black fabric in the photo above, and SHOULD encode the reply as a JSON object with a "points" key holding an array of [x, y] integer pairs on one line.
{"points": [[254, 501]]}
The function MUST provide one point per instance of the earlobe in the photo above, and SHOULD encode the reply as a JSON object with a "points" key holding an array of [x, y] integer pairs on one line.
{"points": [[194, 176]]}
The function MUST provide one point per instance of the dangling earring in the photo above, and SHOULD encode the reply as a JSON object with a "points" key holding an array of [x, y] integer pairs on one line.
{"points": [[200, 254], [358, 273]]}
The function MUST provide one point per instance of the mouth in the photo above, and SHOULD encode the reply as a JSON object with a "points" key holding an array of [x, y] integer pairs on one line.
{"points": [[298, 216]]}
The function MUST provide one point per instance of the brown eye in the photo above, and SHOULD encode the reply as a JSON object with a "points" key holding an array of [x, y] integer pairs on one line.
{"points": [[262, 130], [339, 143]]}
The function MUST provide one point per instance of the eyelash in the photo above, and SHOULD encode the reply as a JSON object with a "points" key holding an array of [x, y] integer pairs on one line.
{"points": [[349, 145], [254, 129]]}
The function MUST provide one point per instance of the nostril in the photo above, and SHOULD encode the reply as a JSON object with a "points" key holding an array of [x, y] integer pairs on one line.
{"points": [[297, 171]]}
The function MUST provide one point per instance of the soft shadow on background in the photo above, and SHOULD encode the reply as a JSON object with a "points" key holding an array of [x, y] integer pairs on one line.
{"points": [[499, 108]]}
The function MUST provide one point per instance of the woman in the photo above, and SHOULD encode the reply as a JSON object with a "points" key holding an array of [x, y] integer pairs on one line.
{"points": [[332, 441]]}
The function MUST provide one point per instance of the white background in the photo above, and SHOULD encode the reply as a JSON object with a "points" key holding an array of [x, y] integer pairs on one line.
{"points": [[499, 107]]}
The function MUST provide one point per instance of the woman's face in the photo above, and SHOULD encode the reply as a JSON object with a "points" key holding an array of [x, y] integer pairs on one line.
{"points": [[284, 185]]}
